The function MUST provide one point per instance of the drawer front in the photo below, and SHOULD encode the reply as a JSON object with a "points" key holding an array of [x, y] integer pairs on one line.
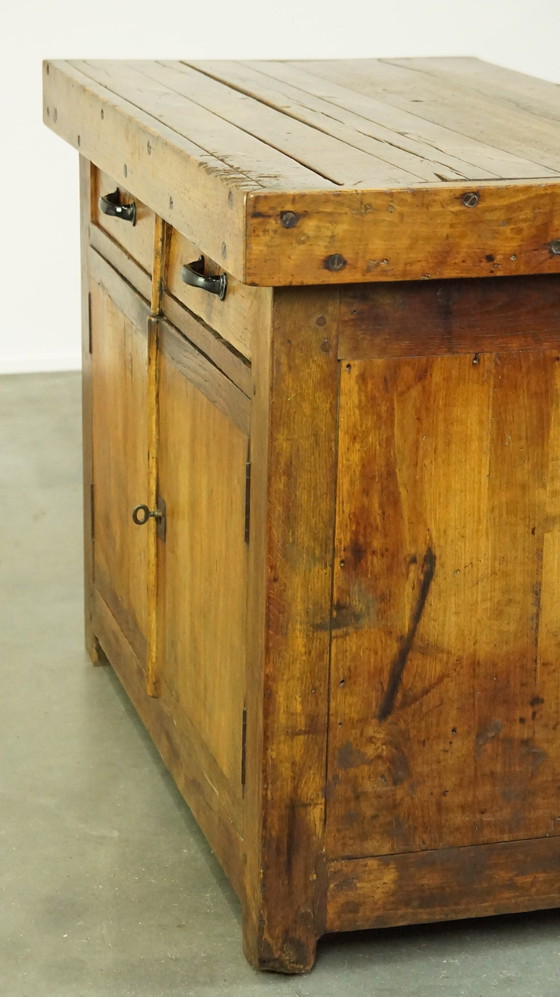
{"points": [[234, 317], [137, 240]]}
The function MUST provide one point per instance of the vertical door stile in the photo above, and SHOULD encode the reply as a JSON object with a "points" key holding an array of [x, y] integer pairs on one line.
{"points": [[161, 244]]}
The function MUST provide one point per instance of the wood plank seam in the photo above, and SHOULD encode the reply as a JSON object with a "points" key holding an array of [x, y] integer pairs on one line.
{"points": [[345, 98], [449, 167]]}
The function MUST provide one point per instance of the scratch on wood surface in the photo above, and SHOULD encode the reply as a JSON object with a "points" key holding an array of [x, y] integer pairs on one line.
{"points": [[399, 663]]}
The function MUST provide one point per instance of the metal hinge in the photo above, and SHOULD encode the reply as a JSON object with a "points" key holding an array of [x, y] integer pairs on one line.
{"points": [[248, 498], [244, 746], [89, 324]]}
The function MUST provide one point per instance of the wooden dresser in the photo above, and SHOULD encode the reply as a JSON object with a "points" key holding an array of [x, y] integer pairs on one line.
{"points": [[321, 340]]}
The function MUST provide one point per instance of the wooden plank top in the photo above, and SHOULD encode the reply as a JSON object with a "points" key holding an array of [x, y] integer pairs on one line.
{"points": [[329, 171]]}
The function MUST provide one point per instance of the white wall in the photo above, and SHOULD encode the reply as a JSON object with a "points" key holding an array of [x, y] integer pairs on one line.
{"points": [[39, 173]]}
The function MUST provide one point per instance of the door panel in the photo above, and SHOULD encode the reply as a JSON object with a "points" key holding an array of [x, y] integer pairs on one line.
{"points": [[445, 692], [120, 447], [202, 563]]}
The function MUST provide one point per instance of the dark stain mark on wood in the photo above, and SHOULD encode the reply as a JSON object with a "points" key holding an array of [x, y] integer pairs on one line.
{"points": [[537, 701], [487, 734], [357, 551], [411, 697], [399, 663], [345, 616], [533, 755], [348, 757]]}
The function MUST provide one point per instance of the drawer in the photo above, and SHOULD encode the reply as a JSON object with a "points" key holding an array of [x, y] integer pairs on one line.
{"points": [[137, 240], [234, 317]]}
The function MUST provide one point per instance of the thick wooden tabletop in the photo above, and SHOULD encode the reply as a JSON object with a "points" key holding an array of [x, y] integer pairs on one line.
{"points": [[329, 171]]}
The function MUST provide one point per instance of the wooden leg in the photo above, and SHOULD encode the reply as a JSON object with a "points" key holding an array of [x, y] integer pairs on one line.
{"points": [[286, 952], [92, 646], [289, 619]]}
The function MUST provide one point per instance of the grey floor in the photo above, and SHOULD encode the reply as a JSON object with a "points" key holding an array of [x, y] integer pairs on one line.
{"points": [[107, 888]]}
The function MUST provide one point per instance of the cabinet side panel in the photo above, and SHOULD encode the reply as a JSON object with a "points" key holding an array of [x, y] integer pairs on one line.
{"points": [[445, 687]]}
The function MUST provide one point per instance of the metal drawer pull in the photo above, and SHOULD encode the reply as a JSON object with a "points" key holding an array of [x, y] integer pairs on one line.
{"points": [[110, 204], [193, 274]]}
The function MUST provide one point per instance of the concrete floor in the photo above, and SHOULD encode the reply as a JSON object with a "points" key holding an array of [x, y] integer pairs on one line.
{"points": [[107, 888]]}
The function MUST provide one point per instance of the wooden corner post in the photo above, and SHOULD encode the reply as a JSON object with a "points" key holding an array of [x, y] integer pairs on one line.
{"points": [[292, 531], [86, 194]]}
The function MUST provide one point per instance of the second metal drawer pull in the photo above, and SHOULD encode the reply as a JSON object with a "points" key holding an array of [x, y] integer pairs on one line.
{"points": [[193, 274], [110, 204]]}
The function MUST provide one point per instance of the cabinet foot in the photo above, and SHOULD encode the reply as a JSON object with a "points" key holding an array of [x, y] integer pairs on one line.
{"points": [[286, 953], [94, 650]]}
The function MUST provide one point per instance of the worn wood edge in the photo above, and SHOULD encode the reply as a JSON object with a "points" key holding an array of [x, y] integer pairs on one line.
{"points": [[127, 299], [443, 884], [163, 167], [209, 342], [87, 408], [160, 256], [290, 598], [418, 233], [162, 235], [120, 261], [181, 751], [259, 442], [201, 372], [152, 677], [144, 82]]}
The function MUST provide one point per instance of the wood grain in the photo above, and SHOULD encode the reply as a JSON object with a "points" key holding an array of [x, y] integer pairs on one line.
{"points": [[185, 102], [416, 234], [291, 91], [447, 146], [285, 803], [120, 261], [120, 445], [443, 884], [439, 728], [210, 343], [429, 318], [160, 254], [203, 567], [496, 123], [208, 380], [152, 501], [318, 151], [87, 414], [538, 97]]}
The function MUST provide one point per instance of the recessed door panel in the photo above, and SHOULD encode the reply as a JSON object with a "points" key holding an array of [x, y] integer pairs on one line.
{"points": [[445, 683]]}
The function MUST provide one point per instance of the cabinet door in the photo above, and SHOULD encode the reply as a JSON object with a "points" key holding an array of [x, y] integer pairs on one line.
{"points": [[202, 474], [446, 631], [120, 446]]}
